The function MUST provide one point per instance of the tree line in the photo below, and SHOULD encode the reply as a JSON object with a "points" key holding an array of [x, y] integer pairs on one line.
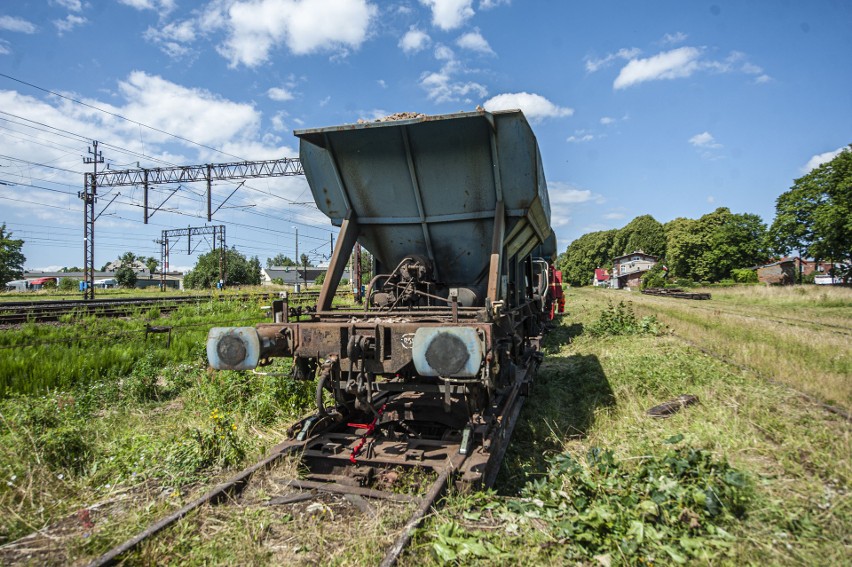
{"points": [[813, 218]]}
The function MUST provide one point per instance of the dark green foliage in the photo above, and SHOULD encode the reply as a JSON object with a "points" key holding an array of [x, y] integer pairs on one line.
{"points": [[125, 276], [11, 258], [279, 260], [69, 284], [815, 215], [620, 320], [590, 251], [661, 508], [709, 248], [642, 233], [744, 275], [655, 277], [240, 270]]}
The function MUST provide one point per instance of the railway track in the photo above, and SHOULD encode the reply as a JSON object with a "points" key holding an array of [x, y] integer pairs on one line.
{"points": [[14, 312], [351, 464]]}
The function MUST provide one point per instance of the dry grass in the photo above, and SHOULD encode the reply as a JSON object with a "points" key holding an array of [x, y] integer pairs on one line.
{"points": [[799, 336]]}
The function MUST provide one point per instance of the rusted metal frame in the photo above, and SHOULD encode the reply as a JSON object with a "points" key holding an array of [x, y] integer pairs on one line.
{"points": [[507, 426], [416, 519], [342, 249], [342, 460], [214, 496], [496, 267], [335, 488], [418, 198]]}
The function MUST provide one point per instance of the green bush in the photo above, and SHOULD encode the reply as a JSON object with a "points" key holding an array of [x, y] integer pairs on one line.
{"points": [[620, 320], [662, 508], [69, 284], [744, 275]]}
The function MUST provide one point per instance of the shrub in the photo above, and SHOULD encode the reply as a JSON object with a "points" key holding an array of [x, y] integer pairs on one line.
{"points": [[620, 320], [744, 275], [69, 284]]}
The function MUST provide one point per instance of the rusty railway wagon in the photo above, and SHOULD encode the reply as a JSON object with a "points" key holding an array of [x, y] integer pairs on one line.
{"points": [[455, 210]]}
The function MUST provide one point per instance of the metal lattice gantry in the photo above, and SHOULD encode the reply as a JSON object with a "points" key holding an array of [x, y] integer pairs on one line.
{"points": [[217, 232], [208, 173], [284, 167]]}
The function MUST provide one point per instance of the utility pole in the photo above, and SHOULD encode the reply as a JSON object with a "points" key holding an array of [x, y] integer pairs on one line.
{"points": [[89, 195]]}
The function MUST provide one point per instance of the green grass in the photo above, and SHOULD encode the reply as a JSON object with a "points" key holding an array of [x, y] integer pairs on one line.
{"points": [[752, 474], [36, 358], [787, 458]]}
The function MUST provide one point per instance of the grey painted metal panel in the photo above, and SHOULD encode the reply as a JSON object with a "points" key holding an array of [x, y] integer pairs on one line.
{"points": [[440, 178]]}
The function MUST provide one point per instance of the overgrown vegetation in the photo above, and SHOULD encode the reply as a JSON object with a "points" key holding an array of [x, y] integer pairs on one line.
{"points": [[620, 320], [591, 479], [752, 474]]}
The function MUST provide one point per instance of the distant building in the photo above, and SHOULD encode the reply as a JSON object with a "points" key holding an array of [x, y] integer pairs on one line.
{"points": [[601, 278], [291, 275], [627, 270], [782, 272], [144, 278], [788, 271]]}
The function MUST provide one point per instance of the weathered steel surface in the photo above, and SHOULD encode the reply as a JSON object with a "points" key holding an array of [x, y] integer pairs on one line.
{"points": [[429, 186]]}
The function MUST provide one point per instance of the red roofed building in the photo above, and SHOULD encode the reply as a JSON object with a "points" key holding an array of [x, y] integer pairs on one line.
{"points": [[601, 278]]}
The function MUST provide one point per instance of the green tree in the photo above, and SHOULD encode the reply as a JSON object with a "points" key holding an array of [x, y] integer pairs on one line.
{"points": [[815, 215], [125, 276], [280, 260], [590, 251], [11, 258], [710, 247], [128, 258], [241, 271], [642, 233], [151, 263]]}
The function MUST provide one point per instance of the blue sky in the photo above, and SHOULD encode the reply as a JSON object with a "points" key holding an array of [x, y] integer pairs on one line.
{"points": [[666, 108]]}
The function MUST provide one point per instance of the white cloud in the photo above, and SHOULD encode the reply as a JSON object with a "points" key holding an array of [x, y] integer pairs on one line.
{"points": [[580, 136], [593, 64], [444, 53], [535, 107], [673, 38], [279, 95], [161, 6], [449, 14], [711, 199], [173, 38], [704, 140], [474, 42], [674, 64], [489, 4], [69, 23], [440, 87], [414, 40], [196, 114], [73, 5], [13, 24], [564, 199], [614, 216], [820, 159], [606, 120], [4, 47], [256, 27], [684, 62]]}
